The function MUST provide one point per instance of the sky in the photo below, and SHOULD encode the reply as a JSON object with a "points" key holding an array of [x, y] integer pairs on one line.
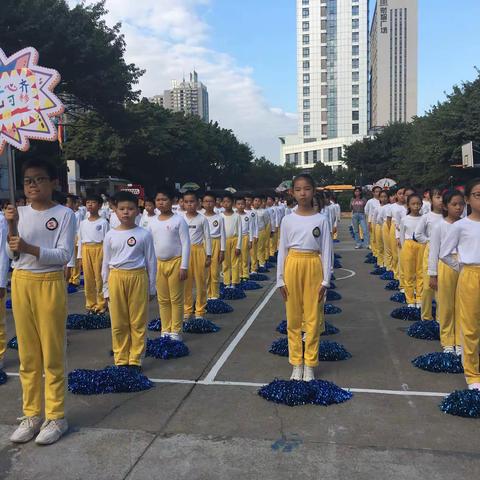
{"points": [[244, 51]]}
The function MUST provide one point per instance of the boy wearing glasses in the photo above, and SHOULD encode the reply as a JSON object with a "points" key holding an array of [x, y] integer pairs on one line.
{"points": [[41, 247]]}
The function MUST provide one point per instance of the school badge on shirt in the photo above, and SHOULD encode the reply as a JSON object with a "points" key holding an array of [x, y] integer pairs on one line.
{"points": [[131, 242], [316, 232], [98, 227], [247, 219], [52, 224], [215, 223]]}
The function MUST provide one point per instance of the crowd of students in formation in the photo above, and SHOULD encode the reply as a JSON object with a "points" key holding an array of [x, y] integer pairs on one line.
{"points": [[179, 249], [431, 242]]}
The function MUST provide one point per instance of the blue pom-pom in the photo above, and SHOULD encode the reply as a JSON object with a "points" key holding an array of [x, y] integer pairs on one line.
{"points": [[330, 330], [282, 327], [109, 380], [218, 307], [393, 285], [388, 275], [258, 277], [378, 271], [250, 285], [280, 347], [332, 286], [8, 304], [337, 255], [425, 330], [439, 362], [72, 288], [234, 293], [200, 325], [263, 269], [294, 393], [87, 322], [371, 260], [333, 296], [332, 352], [330, 309], [3, 377], [462, 403], [332, 277], [13, 343], [336, 240], [398, 297], [273, 258], [270, 264], [409, 314], [155, 325], [337, 264], [166, 348]]}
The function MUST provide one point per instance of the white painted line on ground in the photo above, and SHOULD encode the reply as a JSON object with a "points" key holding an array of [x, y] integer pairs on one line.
{"points": [[350, 274], [210, 377]]}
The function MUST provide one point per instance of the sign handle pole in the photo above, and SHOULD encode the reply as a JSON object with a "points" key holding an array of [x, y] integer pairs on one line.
{"points": [[12, 226]]}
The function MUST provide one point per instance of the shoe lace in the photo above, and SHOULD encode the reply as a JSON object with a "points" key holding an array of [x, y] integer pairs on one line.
{"points": [[25, 421]]}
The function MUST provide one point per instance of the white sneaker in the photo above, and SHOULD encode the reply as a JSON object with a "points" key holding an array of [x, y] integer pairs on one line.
{"points": [[419, 306], [175, 336], [308, 374], [357, 247], [402, 290], [411, 305], [27, 429], [164, 334], [474, 386], [448, 349], [297, 373], [213, 298], [459, 350], [51, 431]]}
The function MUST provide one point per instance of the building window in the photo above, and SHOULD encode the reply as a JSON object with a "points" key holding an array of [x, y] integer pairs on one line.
{"points": [[324, 89], [306, 39], [305, 158], [323, 77], [355, 37], [306, 117], [355, 76], [315, 156], [287, 158], [355, 63], [305, 26], [339, 153], [306, 52], [355, 129], [306, 78], [296, 158], [355, 89], [355, 23], [305, 2], [330, 154], [323, 24], [323, 11], [306, 130], [324, 115], [324, 130], [306, 104], [355, 103], [323, 38], [355, 10], [306, 12], [306, 64], [355, 50], [323, 51], [323, 64], [355, 115], [306, 91], [323, 102]]}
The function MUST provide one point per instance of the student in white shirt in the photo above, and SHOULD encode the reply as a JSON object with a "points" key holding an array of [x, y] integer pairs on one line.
{"points": [[411, 257], [254, 225], [148, 212], [74, 266], [427, 202], [370, 206], [247, 224], [233, 232], [303, 275], [378, 218], [392, 218], [443, 278], [274, 225], [128, 272], [91, 235], [423, 234], [218, 238], [172, 248], [44, 245], [263, 233], [200, 257], [4, 267], [464, 237]]}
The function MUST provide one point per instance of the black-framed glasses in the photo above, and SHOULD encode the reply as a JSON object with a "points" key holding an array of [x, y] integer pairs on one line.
{"points": [[35, 180]]}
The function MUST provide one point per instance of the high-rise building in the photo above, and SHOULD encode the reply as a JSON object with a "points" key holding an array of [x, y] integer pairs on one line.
{"points": [[189, 97], [332, 81], [393, 62]]}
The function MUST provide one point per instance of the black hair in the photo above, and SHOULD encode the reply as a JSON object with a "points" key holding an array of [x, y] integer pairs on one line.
{"points": [[386, 193], [124, 196], [93, 197], [45, 165], [71, 196], [416, 195], [211, 195], [376, 187], [227, 195], [249, 195], [59, 197], [167, 191], [239, 198], [435, 191], [260, 196], [190, 192], [321, 200], [471, 185], [290, 200], [304, 176], [149, 200], [357, 188], [447, 198]]}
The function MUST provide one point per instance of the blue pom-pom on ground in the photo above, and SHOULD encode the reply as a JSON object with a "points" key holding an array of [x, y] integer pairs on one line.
{"points": [[462, 403], [234, 293], [332, 277], [282, 327], [270, 264], [337, 264], [200, 325], [330, 309], [388, 275], [332, 352], [332, 286], [165, 348], [218, 307], [294, 393], [280, 347], [87, 322], [329, 329], [439, 362], [409, 314], [337, 255], [378, 271], [3, 377], [263, 270], [258, 277], [155, 325], [72, 288], [336, 240], [425, 330], [109, 380], [333, 296], [250, 285], [8, 304], [398, 297], [392, 285], [13, 343]]}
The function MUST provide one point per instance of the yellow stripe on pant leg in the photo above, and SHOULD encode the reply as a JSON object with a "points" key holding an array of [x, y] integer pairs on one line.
{"points": [[428, 293], [387, 249], [468, 301], [213, 273], [3, 328], [244, 258], [303, 279], [40, 311], [446, 312]]}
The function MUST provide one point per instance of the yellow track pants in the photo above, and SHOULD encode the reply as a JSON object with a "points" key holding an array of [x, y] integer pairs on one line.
{"points": [[245, 258], [428, 294], [231, 264], [387, 249], [92, 257], [411, 258], [170, 293], [213, 272], [379, 245], [197, 274], [262, 239], [447, 314]]}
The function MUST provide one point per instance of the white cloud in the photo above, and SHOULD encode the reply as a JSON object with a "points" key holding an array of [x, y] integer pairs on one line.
{"points": [[170, 39]]}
